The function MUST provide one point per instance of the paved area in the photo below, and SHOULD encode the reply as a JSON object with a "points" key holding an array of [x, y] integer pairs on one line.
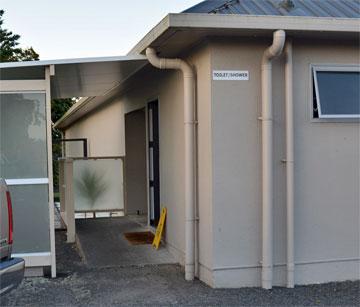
{"points": [[140, 219], [103, 244], [158, 285]]}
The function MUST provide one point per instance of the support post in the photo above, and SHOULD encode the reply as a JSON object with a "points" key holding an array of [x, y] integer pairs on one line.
{"points": [[62, 186], [69, 201], [48, 74]]}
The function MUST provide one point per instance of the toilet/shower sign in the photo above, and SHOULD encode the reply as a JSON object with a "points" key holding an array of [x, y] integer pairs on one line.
{"points": [[231, 75]]}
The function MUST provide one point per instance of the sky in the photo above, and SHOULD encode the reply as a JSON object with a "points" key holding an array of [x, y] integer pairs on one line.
{"points": [[59, 29]]}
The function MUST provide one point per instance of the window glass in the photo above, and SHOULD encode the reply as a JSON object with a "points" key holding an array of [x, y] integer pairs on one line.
{"points": [[337, 94], [31, 218], [98, 185], [23, 151]]}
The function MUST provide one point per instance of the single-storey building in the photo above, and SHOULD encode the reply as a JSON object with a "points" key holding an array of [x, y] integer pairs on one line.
{"points": [[240, 117]]}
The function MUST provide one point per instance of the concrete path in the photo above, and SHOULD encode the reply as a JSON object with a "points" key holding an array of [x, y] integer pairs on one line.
{"points": [[103, 244]]}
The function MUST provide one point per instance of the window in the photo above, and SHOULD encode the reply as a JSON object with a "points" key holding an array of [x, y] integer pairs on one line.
{"points": [[23, 147], [336, 92]]}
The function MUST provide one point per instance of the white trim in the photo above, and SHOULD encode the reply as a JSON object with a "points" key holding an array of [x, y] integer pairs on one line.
{"points": [[306, 273], [18, 86], [73, 61], [35, 259], [147, 164], [340, 116], [336, 67], [22, 92], [332, 68], [250, 266], [27, 181], [48, 72]]}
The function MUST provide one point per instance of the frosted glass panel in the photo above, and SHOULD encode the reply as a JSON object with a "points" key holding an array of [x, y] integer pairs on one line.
{"points": [[98, 185], [23, 136], [31, 218]]}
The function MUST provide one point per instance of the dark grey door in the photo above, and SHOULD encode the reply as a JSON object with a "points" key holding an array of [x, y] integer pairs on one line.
{"points": [[135, 163], [154, 174]]}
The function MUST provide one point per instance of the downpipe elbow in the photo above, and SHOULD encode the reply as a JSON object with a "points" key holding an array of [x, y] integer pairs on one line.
{"points": [[276, 48], [164, 63], [153, 58]]}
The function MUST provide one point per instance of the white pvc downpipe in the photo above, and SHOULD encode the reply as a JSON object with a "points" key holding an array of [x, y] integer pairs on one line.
{"points": [[267, 157], [189, 123], [289, 110]]}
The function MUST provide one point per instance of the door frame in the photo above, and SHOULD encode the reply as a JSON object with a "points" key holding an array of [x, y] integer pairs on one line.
{"points": [[153, 223]]}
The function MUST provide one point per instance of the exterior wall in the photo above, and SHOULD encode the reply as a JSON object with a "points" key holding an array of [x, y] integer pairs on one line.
{"points": [[167, 86], [327, 173], [327, 163], [229, 164], [168, 89], [104, 129], [202, 62]]}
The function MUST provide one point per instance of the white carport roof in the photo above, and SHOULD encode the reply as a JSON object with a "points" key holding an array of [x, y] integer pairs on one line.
{"points": [[84, 77]]}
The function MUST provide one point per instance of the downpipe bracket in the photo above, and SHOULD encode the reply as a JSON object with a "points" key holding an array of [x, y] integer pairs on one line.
{"points": [[264, 119]]}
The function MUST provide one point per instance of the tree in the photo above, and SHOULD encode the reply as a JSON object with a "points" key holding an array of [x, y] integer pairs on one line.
{"points": [[9, 46]]}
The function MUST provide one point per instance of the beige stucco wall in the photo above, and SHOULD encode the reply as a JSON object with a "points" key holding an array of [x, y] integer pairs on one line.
{"points": [[105, 130], [167, 88], [229, 164], [326, 171]]}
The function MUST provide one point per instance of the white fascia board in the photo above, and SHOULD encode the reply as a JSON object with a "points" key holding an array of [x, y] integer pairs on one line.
{"points": [[78, 105], [73, 61], [152, 35], [247, 22]]}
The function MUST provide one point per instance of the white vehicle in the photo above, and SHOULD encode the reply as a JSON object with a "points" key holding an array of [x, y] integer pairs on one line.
{"points": [[11, 269]]}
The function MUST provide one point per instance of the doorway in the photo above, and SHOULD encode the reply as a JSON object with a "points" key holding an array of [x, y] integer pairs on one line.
{"points": [[135, 164], [153, 152]]}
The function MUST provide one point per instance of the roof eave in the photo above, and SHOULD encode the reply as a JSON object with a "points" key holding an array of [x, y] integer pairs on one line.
{"points": [[246, 22], [71, 61], [62, 122]]}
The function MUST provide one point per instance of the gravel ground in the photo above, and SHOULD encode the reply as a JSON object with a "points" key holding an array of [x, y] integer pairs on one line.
{"points": [[159, 285]]}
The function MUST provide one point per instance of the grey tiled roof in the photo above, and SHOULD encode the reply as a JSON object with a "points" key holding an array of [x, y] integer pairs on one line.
{"points": [[310, 8]]}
